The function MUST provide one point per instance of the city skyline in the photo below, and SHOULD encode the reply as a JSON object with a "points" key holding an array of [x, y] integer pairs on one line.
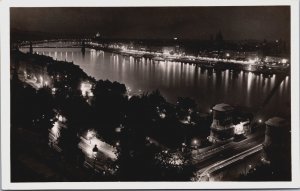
{"points": [[235, 23]]}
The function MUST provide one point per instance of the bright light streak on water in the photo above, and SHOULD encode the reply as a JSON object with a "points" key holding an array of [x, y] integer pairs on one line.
{"points": [[273, 80], [287, 79], [226, 79], [249, 81]]}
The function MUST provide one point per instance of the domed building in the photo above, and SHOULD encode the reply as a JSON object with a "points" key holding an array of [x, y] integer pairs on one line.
{"points": [[277, 146], [277, 138], [222, 127]]}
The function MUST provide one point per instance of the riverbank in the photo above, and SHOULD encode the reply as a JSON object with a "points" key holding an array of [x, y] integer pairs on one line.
{"points": [[118, 120], [67, 79], [203, 62]]}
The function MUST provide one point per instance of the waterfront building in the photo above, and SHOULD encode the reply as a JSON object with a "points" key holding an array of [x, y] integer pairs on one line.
{"points": [[241, 55], [222, 127], [276, 59]]}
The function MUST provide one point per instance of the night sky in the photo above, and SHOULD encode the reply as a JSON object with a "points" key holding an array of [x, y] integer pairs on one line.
{"points": [[235, 23]]}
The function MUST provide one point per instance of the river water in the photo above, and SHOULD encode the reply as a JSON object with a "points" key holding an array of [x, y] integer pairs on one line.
{"points": [[175, 79]]}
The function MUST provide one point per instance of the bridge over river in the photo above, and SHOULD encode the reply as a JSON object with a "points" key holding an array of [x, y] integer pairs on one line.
{"points": [[55, 43], [202, 61]]}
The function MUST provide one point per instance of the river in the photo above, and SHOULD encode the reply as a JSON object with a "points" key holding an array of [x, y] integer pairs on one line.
{"points": [[173, 79]]}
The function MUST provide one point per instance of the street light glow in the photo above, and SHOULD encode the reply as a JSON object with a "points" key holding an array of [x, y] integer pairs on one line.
{"points": [[90, 134], [195, 141], [162, 115], [188, 118], [88, 141], [86, 89]]}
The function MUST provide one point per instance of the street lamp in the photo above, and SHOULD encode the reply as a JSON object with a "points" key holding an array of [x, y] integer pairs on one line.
{"points": [[195, 143], [183, 147], [189, 119], [95, 151]]}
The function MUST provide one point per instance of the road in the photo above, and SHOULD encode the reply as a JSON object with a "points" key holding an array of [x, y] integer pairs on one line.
{"points": [[216, 156], [204, 174], [101, 160]]}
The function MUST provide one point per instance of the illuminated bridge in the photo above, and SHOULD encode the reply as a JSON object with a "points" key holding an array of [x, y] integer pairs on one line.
{"points": [[57, 43]]}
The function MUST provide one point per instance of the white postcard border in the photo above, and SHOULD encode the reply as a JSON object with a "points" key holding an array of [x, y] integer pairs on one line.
{"points": [[5, 95]]}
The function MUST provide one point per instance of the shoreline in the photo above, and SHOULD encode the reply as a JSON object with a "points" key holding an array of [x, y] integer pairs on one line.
{"points": [[203, 62], [206, 64]]}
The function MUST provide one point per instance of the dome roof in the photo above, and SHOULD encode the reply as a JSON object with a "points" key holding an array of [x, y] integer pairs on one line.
{"points": [[222, 107], [276, 122]]}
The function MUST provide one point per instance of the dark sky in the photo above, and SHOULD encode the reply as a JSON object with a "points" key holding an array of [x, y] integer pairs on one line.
{"points": [[235, 23]]}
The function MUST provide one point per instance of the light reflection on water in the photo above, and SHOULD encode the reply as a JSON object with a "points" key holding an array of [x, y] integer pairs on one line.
{"points": [[173, 79]]}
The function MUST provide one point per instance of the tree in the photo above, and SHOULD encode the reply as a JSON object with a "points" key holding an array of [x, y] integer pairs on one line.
{"points": [[186, 103], [156, 99], [185, 106], [109, 105], [44, 111]]}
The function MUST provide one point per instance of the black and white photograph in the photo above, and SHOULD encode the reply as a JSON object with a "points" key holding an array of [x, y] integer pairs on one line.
{"points": [[155, 93]]}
